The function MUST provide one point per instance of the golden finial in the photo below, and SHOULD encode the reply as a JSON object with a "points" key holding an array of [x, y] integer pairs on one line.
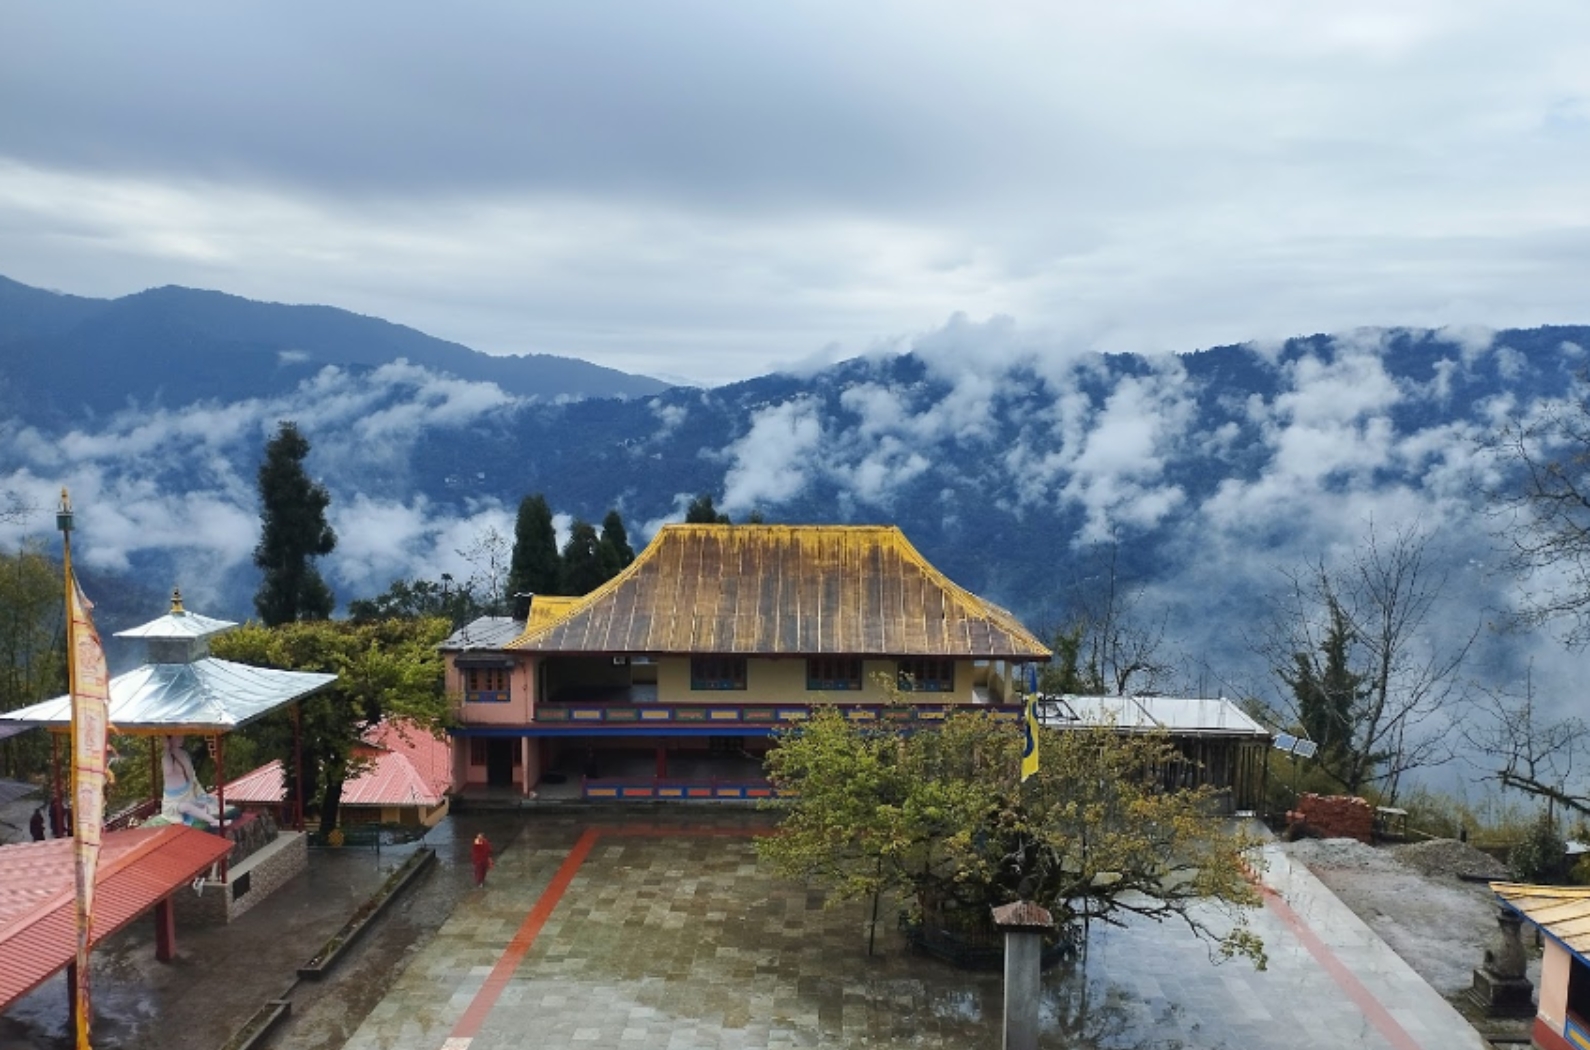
{"points": [[176, 602]]}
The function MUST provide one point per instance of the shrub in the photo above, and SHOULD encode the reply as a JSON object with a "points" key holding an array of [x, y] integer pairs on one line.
{"points": [[1539, 858]]}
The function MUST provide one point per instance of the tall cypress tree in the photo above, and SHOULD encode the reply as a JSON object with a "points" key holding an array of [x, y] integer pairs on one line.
{"points": [[584, 568], [615, 541], [293, 532], [534, 567]]}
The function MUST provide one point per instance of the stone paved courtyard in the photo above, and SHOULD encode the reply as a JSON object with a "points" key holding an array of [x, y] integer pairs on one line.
{"points": [[666, 933]]}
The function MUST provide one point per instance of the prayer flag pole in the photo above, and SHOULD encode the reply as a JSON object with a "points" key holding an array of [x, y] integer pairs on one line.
{"points": [[89, 684]]}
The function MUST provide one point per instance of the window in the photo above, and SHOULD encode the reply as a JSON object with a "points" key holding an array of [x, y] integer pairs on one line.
{"points": [[927, 676], [486, 685], [477, 750], [717, 672], [833, 673]]}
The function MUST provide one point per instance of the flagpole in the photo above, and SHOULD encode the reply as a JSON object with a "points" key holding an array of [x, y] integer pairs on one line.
{"points": [[89, 680], [80, 998]]}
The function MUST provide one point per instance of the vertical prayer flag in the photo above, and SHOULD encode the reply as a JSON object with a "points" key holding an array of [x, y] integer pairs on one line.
{"points": [[1029, 743], [90, 685]]}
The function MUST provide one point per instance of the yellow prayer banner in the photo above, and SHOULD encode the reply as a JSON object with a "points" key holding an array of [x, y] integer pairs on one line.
{"points": [[90, 684]]}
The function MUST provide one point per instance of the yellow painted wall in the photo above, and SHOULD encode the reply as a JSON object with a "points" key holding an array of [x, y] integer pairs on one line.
{"points": [[1554, 965], [783, 681]]}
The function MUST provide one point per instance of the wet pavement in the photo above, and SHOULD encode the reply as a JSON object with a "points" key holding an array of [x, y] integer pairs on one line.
{"points": [[650, 927]]}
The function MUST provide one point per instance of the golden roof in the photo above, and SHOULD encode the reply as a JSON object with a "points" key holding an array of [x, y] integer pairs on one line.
{"points": [[783, 590], [1562, 911]]}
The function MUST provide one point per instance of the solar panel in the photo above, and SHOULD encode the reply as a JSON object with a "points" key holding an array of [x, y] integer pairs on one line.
{"points": [[1305, 749], [1285, 741]]}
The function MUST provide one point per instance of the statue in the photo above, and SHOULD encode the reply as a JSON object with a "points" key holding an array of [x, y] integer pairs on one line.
{"points": [[184, 801]]}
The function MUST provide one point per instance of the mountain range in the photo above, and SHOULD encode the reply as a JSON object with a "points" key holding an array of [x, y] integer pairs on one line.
{"points": [[1193, 482]]}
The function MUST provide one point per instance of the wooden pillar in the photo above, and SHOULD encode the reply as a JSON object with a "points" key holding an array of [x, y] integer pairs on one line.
{"points": [[165, 930], [662, 762]]}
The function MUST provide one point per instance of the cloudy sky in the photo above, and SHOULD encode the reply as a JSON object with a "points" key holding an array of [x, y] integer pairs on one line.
{"points": [[709, 190]]}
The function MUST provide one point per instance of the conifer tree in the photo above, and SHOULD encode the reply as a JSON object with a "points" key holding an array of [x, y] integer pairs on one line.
{"points": [[616, 542], [293, 533], [534, 567], [584, 567], [702, 512]]}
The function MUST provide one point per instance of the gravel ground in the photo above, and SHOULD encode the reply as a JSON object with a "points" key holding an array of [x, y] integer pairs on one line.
{"points": [[1414, 897]]}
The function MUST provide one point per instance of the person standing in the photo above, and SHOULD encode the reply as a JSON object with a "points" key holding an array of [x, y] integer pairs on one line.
{"points": [[36, 825], [480, 853]]}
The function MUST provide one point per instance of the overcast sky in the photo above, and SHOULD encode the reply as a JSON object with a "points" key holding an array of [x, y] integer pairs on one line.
{"points": [[710, 190]]}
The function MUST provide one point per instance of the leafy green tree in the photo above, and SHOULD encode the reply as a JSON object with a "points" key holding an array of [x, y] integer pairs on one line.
{"points": [[534, 567], [294, 532], [702, 512], [615, 541], [413, 599], [32, 649], [587, 563], [385, 669], [941, 817]]}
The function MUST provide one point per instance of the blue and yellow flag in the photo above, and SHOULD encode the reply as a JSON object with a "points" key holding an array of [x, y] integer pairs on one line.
{"points": [[1029, 743]]}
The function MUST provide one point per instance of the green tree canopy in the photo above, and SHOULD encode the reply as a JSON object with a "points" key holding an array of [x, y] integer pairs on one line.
{"points": [[616, 540], [385, 669], [413, 599], [534, 567], [294, 532], [32, 648], [941, 817], [702, 512], [587, 564]]}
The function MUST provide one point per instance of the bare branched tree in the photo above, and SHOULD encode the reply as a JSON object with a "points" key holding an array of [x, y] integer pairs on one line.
{"points": [[1107, 643], [15, 508], [1524, 749], [1353, 646], [1542, 507], [490, 555]]}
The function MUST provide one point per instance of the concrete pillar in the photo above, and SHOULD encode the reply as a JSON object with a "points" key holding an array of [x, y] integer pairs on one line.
{"points": [[1024, 925]]}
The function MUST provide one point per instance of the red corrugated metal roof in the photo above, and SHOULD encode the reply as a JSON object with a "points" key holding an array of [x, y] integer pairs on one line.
{"points": [[408, 767], [137, 869]]}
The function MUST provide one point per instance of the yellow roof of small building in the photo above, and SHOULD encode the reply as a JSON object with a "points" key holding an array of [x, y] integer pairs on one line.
{"points": [[852, 590], [1562, 911]]}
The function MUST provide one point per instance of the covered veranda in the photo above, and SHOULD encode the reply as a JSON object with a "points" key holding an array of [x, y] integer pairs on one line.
{"points": [[139, 871]]}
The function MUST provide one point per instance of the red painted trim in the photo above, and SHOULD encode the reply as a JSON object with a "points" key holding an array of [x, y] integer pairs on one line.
{"points": [[1548, 1038], [1345, 979]]}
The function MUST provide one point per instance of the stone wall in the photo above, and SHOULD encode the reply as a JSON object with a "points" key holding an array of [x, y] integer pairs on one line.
{"points": [[248, 883]]}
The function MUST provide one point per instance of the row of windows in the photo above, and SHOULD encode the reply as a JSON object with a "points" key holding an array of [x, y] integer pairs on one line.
{"points": [[826, 674], [725, 673]]}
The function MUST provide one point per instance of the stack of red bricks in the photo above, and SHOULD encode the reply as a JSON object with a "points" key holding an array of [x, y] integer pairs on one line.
{"points": [[1334, 817]]}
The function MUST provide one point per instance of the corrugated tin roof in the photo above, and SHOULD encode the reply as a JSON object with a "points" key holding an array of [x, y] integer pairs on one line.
{"points": [[784, 589], [137, 869], [1181, 715], [178, 624], [205, 696], [487, 632], [1562, 911], [409, 767]]}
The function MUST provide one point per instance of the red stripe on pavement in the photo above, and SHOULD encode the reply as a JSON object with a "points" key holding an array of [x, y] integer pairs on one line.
{"points": [[474, 1016], [1348, 981]]}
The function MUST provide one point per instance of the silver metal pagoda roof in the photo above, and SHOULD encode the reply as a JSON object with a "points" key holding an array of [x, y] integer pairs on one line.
{"points": [[205, 696], [184, 689]]}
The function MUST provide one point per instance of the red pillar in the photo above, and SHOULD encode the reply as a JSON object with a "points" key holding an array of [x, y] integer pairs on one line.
{"points": [[662, 762], [165, 930]]}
